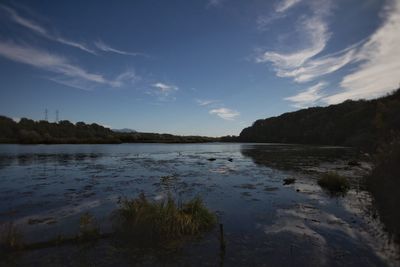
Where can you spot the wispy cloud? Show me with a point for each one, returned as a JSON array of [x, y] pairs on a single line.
[[205, 102], [280, 11], [315, 68], [284, 5], [225, 113], [215, 3], [379, 72], [106, 48], [69, 74], [316, 30], [312, 37], [40, 30], [165, 88], [164, 92], [378, 58], [308, 97]]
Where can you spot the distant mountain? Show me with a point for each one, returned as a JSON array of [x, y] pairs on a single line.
[[124, 130], [359, 123]]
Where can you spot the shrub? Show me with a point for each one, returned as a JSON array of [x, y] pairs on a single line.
[[384, 182], [334, 183]]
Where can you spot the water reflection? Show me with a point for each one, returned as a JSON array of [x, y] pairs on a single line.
[[296, 157], [45, 189]]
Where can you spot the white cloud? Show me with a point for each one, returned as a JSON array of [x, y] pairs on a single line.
[[69, 74], [225, 113], [214, 3], [205, 102], [317, 67], [379, 72], [316, 30], [308, 97], [106, 48], [163, 92], [165, 88], [279, 12], [378, 57], [127, 77], [35, 27], [285, 5]]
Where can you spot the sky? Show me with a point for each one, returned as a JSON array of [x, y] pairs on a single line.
[[199, 67]]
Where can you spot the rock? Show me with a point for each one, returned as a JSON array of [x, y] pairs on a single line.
[[353, 163], [288, 181], [230, 159]]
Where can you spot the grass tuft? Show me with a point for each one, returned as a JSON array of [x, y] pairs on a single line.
[[88, 227], [10, 237], [162, 222], [334, 183]]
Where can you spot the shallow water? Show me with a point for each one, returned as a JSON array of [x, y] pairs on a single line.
[[44, 189]]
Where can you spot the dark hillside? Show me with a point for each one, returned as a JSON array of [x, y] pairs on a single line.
[[362, 123]]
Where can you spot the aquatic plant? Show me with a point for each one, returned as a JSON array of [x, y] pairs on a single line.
[[88, 227], [10, 237], [164, 221], [334, 183]]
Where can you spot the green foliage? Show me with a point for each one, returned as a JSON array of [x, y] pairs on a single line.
[[334, 183], [162, 222], [360, 123]]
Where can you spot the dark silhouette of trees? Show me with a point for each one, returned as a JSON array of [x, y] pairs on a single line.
[[28, 131], [359, 123]]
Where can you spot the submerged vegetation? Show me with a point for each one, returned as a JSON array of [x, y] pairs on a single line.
[[162, 222], [334, 183], [138, 221]]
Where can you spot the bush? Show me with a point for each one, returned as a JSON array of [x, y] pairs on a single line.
[[334, 183], [384, 183], [162, 222]]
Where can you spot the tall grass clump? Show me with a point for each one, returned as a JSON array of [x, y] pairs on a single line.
[[10, 238], [334, 183], [165, 221], [88, 227]]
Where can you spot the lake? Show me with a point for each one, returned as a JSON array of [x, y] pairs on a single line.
[[44, 189]]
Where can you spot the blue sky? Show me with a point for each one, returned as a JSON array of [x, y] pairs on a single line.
[[205, 67]]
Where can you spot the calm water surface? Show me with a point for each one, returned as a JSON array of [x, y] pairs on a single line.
[[44, 189]]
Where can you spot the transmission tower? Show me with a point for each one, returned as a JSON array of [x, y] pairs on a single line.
[[46, 112], [57, 116]]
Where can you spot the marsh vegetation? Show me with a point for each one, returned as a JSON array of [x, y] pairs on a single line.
[[334, 183], [138, 203]]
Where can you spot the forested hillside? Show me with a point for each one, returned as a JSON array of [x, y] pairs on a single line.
[[362, 123]]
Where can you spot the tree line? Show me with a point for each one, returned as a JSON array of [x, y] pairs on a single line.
[[28, 131], [364, 123]]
